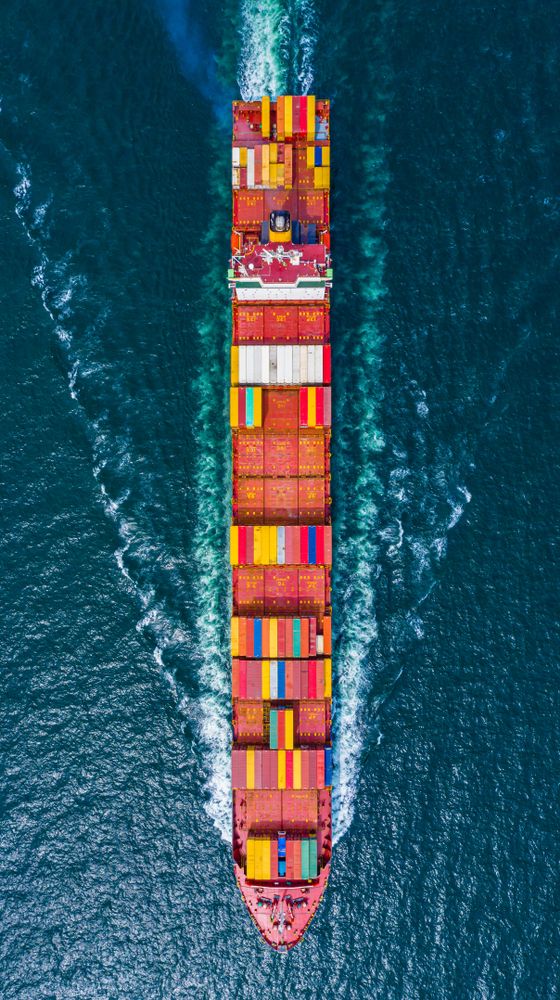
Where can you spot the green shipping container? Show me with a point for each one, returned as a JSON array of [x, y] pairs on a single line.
[[313, 858], [273, 729], [305, 859], [297, 636]]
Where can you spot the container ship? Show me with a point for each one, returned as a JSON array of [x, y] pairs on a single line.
[[280, 278]]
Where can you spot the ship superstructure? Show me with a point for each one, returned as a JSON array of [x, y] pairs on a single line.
[[281, 540]]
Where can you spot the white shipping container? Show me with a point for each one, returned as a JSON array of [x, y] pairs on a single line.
[[235, 156], [250, 168], [303, 364], [257, 364], [273, 364], [250, 365], [295, 364], [310, 365], [318, 364], [281, 545], [265, 363]]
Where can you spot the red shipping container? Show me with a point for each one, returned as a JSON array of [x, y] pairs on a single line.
[[273, 757], [289, 768], [327, 406], [281, 730], [312, 500], [303, 115], [243, 678], [248, 590], [312, 206], [281, 638], [320, 679], [238, 768], [302, 407], [235, 678], [254, 679], [248, 324], [280, 324], [289, 637], [320, 765], [320, 545], [312, 679], [319, 407], [312, 589], [250, 638], [296, 666], [327, 364], [281, 500], [289, 669], [280, 410], [242, 544], [311, 452], [258, 768], [292, 545], [303, 544], [241, 406], [312, 327], [280, 454], [248, 452], [250, 500], [312, 755], [304, 769], [281, 589], [305, 636], [248, 206], [328, 545], [249, 545], [312, 636], [304, 679]]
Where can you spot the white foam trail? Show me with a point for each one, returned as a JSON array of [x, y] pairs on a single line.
[[263, 64]]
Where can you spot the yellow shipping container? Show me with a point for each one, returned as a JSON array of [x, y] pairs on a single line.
[[250, 768], [281, 769], [280, 118], [234, 545], [326, 160], [297, 768], [289, 729], [233, 408], [328, 678], [265, 117], [311, 406], [265, 680], [326, 177], [257, 407], [288, 117], [243, 156], [235, 636], [235, 366], [273, 175], [273, 151], [310, 117], [273, 639], [317, 177], [272, 544], [250, 870], [311, 157]]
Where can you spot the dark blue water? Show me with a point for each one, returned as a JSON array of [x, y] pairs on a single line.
[[116, 879]]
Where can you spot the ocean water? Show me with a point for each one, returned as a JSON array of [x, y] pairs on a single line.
[[116, 879]]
